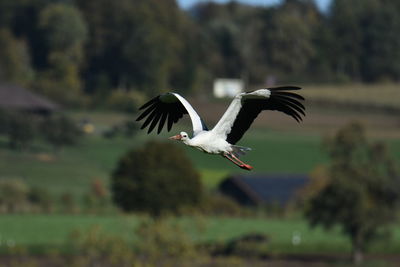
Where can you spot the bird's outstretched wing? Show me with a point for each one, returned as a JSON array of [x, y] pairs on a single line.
[[169, 107], [246, 106]]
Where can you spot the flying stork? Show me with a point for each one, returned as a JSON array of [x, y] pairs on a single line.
[[221, 140]]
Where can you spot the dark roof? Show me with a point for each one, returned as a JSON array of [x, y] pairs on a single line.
[[17, 98], [262, 189]]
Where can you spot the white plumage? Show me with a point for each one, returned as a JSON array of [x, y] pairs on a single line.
[[245, 107]]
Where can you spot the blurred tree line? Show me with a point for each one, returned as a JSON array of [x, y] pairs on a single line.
[[84, 52]]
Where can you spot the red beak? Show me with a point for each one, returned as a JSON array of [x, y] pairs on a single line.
[[176, 137]]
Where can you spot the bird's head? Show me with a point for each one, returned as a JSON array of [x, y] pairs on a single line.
[[183, 136]]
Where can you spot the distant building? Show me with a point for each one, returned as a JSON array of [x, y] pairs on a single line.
[[254, 190], [16, 98], [228, 87]]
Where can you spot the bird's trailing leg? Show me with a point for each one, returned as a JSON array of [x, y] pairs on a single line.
[[237, 161], [243, 165]]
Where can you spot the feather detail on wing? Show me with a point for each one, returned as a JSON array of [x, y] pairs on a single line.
[[168, 108]]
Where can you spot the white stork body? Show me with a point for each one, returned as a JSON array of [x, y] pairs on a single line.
[[208, 142], [245, 107]]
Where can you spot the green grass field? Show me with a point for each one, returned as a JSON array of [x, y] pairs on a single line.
[[53, 230], [95, 157], [73, 169], [49, 231]]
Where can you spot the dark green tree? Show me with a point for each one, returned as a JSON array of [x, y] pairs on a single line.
[[230, 46], [361, 195], [134, 44], [365, 34], [288, 38], [64, 33], [15, 62], [157, 178], [347, 49], [381, 59]]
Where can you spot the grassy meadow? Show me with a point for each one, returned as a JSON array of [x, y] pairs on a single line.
[[73, 168], [383, 96], [44, 232]]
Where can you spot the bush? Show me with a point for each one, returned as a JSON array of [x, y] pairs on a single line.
[[97, 199], [3, 122], [248, 245], [157, 243], [68, 203], [41, 199], [126, 129], [21, 130], [162, 240], [217, 204], [125, 101], [94, 247], [60, 131], [155, 179], [13, 196]]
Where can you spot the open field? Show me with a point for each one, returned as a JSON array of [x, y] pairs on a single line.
[[54, 230], [384, 97], [73, 169], [47, 231]]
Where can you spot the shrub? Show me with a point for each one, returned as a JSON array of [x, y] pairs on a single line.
[[97, 199], [157, 243], [21, 130], [60, 131], [41, 199], [162, 240], [126, 129], [94, 247], [13, 196], [68, 203], [156, 178], [217, 204], [248, 245], [125, 101], [3, 122]]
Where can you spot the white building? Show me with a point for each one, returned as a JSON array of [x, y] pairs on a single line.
[[228, 87]]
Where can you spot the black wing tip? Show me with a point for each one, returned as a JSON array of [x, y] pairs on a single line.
[[160, 111], [286, 87], [288, 94], [290, 103], [151, 101]]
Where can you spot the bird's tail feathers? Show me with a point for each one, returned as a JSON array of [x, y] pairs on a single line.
[[239, 151]]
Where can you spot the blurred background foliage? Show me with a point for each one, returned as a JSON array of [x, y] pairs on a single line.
[[71, 49]]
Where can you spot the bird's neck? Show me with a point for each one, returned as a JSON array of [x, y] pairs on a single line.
[[188, 142]]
